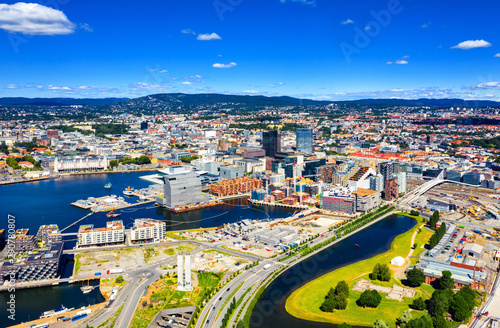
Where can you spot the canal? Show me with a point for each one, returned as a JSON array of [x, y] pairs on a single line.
[[270, 310]]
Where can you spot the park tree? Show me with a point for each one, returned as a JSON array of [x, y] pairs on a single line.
[[459, 309], [380, 324], [340, 301], [342, 288], [4, 148], [381, 272], [434, 219], [328, 305], [119, 279], [469, 296], [423, 322], [369, 298], [446, 281], [439, 322], [415, 277], [439, 303], [405, 318], [418, 304], [344, 325]]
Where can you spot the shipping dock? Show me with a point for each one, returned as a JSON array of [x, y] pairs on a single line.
[[192, 207]]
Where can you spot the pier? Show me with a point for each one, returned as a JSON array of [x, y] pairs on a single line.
[[78, 221]]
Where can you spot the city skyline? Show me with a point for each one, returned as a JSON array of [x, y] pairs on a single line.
[[302, 48]]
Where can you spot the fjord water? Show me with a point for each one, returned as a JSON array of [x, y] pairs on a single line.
[[270, 310], [49, 201]]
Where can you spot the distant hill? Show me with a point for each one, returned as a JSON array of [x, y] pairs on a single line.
[[204, 99], [193, 100], [21, 101], [424, 102]]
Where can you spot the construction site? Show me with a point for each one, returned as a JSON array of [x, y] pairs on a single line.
[[235, 186]]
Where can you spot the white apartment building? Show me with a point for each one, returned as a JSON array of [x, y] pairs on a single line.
[[147, 231], [70, 164], [112, 234]]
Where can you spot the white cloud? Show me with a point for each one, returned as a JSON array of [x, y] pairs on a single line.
[[304, 2], [497, 55], [230, 65], [250, 91], [86, 27], [389, 62], [188, 31], [163, 71], [196, 77], [145, 87], [276, 84], [406, 57], [426, 25], [401, 62], [152, 70], [34, 19], [208, 37], [485, 86], [348, 21], [368, 27], [188, 83], [471, 44]]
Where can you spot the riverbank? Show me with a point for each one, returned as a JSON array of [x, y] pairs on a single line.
[[304, 303]]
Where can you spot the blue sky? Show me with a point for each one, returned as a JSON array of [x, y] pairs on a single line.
[[320, 49]]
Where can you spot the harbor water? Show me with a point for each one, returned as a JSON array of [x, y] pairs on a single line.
[[270, 310]]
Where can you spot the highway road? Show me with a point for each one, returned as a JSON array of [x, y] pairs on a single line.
[[248, 277]]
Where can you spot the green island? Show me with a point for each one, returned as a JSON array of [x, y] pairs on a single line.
[[306, 301]]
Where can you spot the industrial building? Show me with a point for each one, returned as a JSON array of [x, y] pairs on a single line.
[[181, 187], [112, 234], [441, 206], [274, 237], [462, 274], [473, 250], [147, 231], [450, 230]]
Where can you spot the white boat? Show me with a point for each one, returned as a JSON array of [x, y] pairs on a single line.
[[51, 313]]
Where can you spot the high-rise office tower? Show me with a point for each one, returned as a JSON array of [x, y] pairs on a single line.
[[304, 140], [271, 142]]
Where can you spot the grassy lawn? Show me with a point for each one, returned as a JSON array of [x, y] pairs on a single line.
[[304, 303]]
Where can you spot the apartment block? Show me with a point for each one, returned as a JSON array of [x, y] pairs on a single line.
[[112, 234], [147, 231]]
